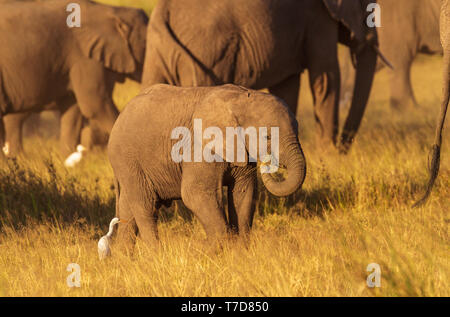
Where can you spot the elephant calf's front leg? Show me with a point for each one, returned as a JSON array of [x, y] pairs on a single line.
[[241, 207], [201, 191]]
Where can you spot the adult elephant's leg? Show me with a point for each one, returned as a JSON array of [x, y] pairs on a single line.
[[288, 90], [324, 79], [86, 138], [201, 191], [13, 132], [402, 95], [347, 77], [241, 204], [32, 124], [90, 137], [70, 128]]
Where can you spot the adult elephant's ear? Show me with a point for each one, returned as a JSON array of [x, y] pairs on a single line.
[[105, 38], [354, 29], [351, 15]]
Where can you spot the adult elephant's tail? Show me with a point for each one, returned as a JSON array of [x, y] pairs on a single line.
[[436, 151]]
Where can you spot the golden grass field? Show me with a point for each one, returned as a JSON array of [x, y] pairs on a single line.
[[353, 210]]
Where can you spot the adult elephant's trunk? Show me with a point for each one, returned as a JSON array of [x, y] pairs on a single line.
[[436, 154], [366, 61], [291, 156]]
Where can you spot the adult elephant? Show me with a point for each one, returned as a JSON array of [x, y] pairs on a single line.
[[408, 27], [57, 65], [74, 128], [266, 44], [436, 155]]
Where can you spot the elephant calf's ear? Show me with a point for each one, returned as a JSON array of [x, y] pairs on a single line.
[[216, 112], [107, 41], [233, 147]]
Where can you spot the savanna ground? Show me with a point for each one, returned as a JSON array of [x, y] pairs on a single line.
[[352, 210]]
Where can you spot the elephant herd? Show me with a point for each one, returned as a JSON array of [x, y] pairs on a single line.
[[47, 65], [230, 44], [408, 27]]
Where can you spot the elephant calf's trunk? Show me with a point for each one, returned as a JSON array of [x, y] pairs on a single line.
[[295, 163]]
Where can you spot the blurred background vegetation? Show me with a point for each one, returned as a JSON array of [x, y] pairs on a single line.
[[147, 5]]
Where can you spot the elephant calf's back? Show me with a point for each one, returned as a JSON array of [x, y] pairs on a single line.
[[140, 141]]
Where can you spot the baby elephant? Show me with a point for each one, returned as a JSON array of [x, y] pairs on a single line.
[[172, 142]]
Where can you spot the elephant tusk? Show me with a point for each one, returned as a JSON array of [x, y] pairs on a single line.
[[382, 57]]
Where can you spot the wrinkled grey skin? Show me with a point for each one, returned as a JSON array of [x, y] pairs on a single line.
[[74, 130], [408, 27], [436, 155], [140, 148], [266, 44], [45, 64]]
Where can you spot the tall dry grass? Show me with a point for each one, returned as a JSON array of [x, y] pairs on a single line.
[[353, 210]]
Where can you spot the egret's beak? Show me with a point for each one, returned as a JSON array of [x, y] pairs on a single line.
[[123, 221]]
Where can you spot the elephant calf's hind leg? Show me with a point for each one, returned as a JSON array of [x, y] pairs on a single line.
[[144, 209], [128, 230]]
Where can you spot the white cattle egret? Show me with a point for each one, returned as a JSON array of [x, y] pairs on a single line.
[[5, 148], [75, 157], [103, 244]]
